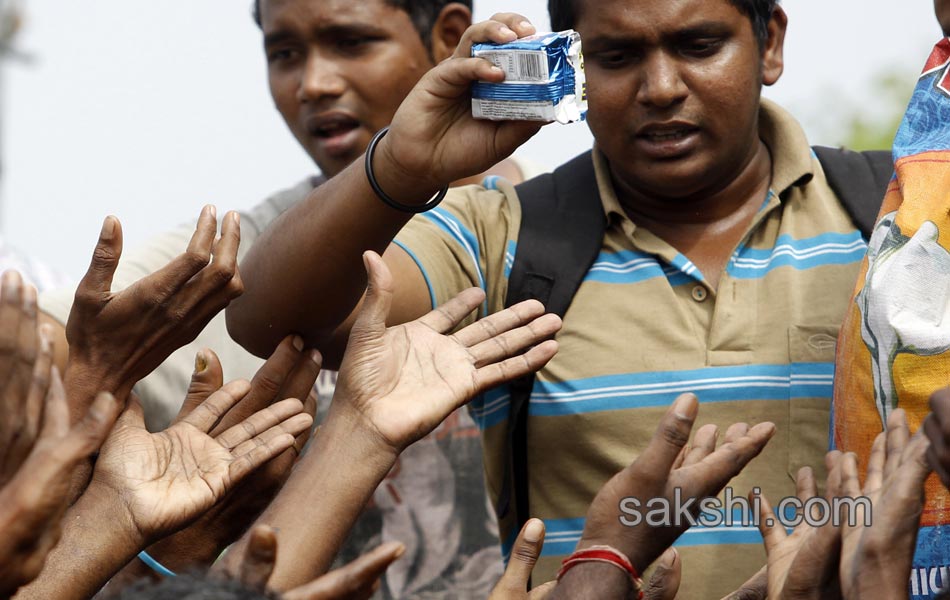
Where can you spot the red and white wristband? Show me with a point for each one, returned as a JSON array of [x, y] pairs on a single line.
[[604, 554]]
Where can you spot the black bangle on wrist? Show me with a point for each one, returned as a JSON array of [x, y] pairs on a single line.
[[370, 151]]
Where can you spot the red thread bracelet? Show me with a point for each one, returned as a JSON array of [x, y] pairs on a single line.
[[604, 554]]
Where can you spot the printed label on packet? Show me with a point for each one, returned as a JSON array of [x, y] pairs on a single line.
[[544, 80]]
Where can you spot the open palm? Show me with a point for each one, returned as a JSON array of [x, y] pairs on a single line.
[[405, 380], [168, 479]]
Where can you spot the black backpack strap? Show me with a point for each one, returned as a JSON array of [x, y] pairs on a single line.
[[562, 231], [860, 180]]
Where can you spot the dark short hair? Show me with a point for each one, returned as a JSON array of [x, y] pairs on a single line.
[[564, 15], [423, 14], [191, 585]]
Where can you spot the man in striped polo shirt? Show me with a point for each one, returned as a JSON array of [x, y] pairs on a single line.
[[725, 269]]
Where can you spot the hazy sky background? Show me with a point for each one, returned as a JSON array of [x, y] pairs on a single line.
[[148, 110]]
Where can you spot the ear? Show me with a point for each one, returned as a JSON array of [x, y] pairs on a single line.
[[773, 52], [448, 28]]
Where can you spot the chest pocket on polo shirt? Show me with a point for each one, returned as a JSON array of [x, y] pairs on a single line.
[[811, 355]]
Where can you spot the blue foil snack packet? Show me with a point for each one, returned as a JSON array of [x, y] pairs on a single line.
[[544, 80]]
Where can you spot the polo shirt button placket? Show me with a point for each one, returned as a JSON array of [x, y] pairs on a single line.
[[700, 293]]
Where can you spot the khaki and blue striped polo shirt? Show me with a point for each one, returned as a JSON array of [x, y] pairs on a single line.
[[645, 327]]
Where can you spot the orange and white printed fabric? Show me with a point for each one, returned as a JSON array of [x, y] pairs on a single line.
[[894, 347]]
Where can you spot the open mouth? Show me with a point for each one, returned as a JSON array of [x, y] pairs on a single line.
[[667, 140], [332, 126]]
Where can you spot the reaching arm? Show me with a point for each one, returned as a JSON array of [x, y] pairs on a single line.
[[396, 385], [311, 255]]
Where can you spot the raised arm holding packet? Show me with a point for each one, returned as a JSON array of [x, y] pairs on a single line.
[[432, 141]]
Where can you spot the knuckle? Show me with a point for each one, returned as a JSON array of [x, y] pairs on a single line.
[[195, 259], [103, 256], [676, 433]]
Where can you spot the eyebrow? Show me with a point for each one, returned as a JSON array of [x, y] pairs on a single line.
[[332, 31], [699, 30]]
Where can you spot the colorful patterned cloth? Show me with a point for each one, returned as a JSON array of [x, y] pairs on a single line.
[[895, 342]]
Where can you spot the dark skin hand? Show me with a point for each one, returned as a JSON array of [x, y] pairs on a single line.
[[937, 429], [289, 373], [116, 339], [33, 502], [803, 565], [699, 471], [148, 485], [358, 580], [396, 385], [25, 359], [877, 556], [525, 552]]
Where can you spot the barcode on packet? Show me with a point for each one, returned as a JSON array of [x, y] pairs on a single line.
[[520, 65]]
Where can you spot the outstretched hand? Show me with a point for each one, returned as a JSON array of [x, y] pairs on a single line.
[[163, 481], [402, 381], [660, 471], [357, 580], [290, 372], [877, 554], [25, 359], [803, 565], [33, 502], [434, 139], [117, 338]]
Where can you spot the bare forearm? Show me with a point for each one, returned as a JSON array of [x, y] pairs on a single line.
[[94, 546], [304, 274], [320, 502]]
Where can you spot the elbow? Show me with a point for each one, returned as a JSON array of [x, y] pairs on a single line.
[[249, 330]]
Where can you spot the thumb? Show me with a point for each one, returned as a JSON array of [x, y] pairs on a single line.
[[105, 259], [207, 378], [665, 581], [379, 295], [259, 558], [524, 555]]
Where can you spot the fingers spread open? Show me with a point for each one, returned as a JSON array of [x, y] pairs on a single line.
[[502, 321], [355, 580], [259, 558], [524, 555], [495, 374], [207, 414], [507, 344], [446, 316], [260, 422], [714, 472]]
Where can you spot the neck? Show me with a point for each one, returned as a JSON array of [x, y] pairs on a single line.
[[724, 200]]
